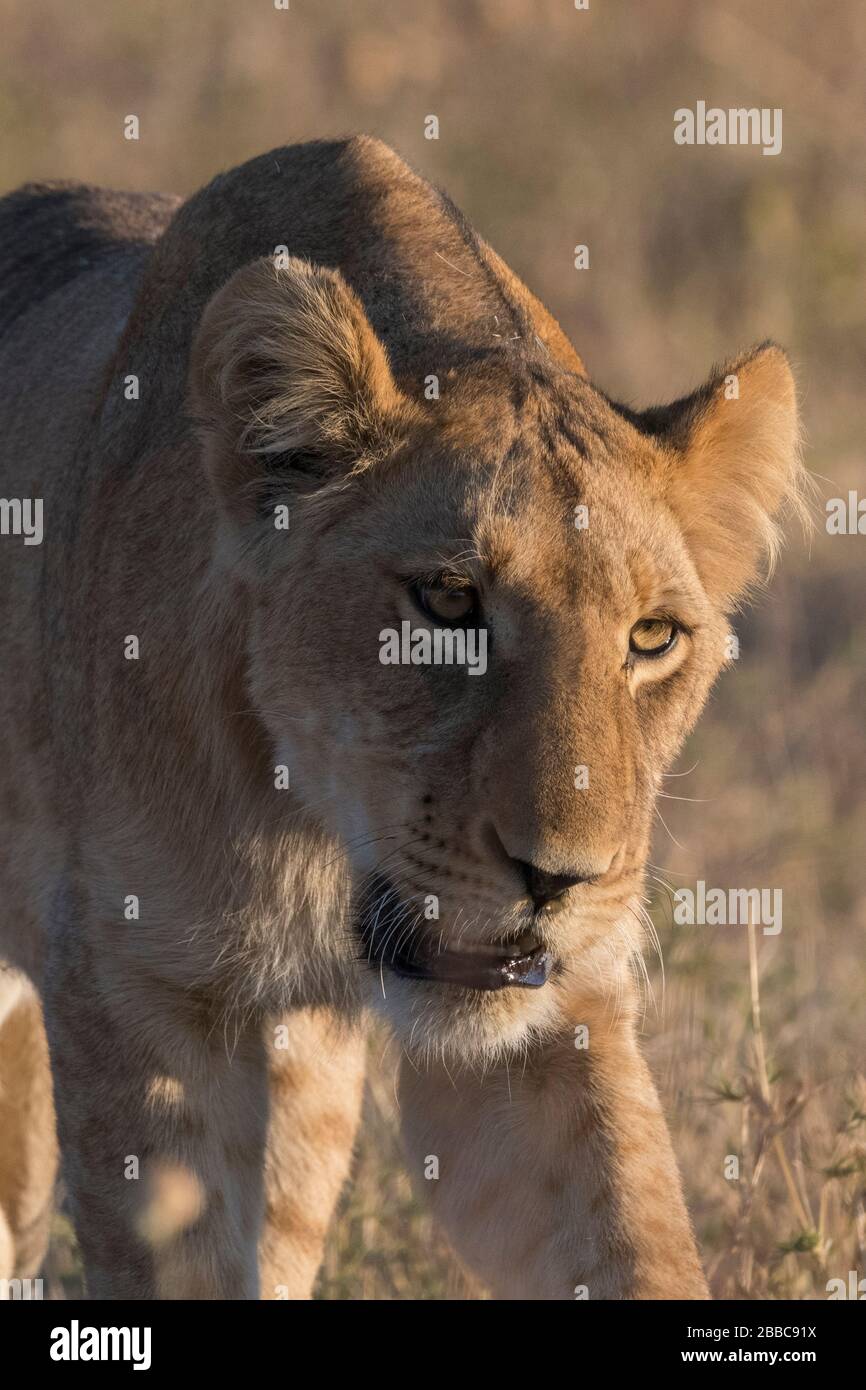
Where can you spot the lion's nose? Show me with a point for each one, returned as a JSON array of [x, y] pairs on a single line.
[[544, 887]]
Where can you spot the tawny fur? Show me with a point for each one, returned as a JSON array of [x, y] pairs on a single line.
[[207, 1053]]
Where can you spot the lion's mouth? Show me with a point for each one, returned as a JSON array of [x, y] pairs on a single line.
[[523, 962], [479, 965]]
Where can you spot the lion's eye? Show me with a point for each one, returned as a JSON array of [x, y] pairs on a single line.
[[445, 603], [653, 636]]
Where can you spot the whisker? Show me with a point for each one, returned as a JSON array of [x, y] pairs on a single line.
[[664, 823], [701, 800]]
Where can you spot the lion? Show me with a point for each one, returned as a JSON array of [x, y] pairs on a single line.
[[268, 426]]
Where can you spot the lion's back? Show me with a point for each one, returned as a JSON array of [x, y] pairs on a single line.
[[51, 233], [71, 260], [70, 263]]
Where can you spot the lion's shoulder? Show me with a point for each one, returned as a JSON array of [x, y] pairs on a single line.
[[52, 232]]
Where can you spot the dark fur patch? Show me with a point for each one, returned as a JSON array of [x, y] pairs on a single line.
[[51, 233]]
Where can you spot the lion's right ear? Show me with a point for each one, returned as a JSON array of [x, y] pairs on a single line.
[[287, 377]]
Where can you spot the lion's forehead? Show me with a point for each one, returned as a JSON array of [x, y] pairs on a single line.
[[570, 532]]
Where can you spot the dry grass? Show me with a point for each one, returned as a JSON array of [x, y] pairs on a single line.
[[556, 129]]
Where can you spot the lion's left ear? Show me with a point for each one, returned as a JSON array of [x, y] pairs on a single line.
[[287, 375], [733, 467]]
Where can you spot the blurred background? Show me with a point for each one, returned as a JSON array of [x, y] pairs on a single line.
[[556, 129]]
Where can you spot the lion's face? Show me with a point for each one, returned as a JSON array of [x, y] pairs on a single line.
[[496, 807]]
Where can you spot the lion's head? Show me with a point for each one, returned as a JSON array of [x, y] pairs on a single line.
[[497, 807]]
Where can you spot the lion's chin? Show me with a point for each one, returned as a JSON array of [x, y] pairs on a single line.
[[466, 1025]]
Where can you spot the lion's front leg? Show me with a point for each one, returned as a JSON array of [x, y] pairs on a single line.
[[316, 1073], [162, 1119], [556, 1176]]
